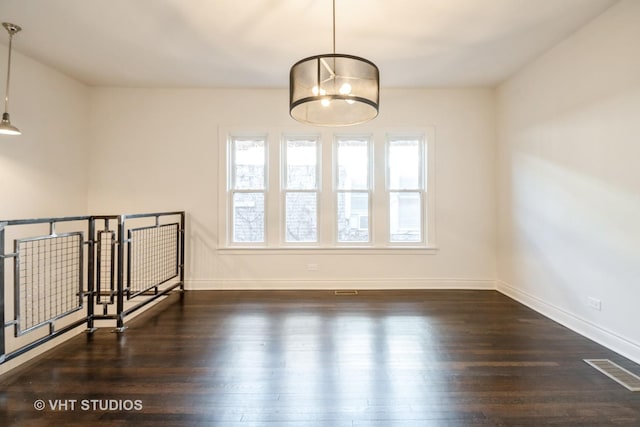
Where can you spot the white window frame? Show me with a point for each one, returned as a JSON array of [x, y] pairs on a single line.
[[284, 190], [379, 233], [231, 190], [369, 139], [421, 189]]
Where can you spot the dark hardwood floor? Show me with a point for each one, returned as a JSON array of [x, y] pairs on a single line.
[[310, 358]]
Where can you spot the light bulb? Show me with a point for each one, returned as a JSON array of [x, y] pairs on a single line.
[[317, 91], [325, 102], [345, 89], [350, 101]]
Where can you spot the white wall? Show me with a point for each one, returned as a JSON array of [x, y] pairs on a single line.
[[43, 172], [157, 149], [569, 181]]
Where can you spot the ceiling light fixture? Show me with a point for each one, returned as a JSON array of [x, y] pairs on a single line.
[[6, 128], [334, 89]]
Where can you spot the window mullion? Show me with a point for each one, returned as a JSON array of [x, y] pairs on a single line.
[[327, 199], [273, 190], [378, 195]]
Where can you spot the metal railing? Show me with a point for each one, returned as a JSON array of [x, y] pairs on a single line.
[[66, 268]]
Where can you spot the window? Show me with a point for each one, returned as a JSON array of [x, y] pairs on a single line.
[[300, 189], [325, 191], [353, 186], [405, 187], [247, 187]]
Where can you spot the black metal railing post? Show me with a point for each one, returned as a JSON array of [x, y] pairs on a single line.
[[91, 275], [2, 319], [182, 237], [120, 277]]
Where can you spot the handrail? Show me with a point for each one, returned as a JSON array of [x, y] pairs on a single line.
[[43, 220], [146, 215]]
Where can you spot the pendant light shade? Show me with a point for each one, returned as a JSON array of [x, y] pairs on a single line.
[[334, 89], [6, 128]]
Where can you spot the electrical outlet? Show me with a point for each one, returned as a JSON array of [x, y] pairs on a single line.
[[595, 303], [312, 267]]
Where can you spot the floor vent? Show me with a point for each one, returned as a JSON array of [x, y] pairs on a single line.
[[343, 293], [616, 372]]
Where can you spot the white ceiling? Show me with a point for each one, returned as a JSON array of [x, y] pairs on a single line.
[[253, 43]]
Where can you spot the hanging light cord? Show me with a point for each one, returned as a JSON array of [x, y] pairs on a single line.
[[6, 93], [334, 27]]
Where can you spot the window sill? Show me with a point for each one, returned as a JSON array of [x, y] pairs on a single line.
[[354, 250]]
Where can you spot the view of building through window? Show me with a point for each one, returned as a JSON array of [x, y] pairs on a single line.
[[353, 184], [405, 184], [301, 190], [248, 185]]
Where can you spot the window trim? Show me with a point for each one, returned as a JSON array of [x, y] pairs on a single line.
[[422, 189], [326, 227], [369, 138], [335, 250], [231, 191], [285, 137]]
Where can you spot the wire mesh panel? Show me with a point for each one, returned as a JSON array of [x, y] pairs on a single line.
[[105, 260], [48, 279], [53, 274], [152, 257]]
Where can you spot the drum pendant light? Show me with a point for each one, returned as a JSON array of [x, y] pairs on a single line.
[[334, 89]]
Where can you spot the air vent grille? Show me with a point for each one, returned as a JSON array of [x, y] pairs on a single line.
[[345, 293], [616, 372]]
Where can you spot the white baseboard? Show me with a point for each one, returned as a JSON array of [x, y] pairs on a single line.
[[338, 284], [602, 336]]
